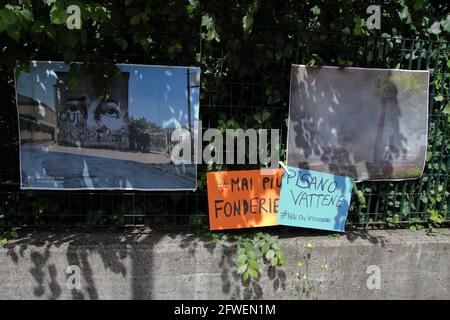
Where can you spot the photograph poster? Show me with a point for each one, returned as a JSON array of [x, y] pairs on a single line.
[[74, 138], [367, 124]]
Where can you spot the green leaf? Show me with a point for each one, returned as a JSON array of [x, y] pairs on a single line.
[[247, 23], [74, 76], [122, 43], [263, 116], [253, 273], [445, 23], [243, 268], [134, 20], [3, 25], [207, 21], [58, 15], [245, 275], [252, 254], [395, 218], [8, 17], [446, 110], [13, 33], [253, 264], [276, 246], [37, 27], [281, 257], [27, 15], [315, 10], [418, 4], [406, 209], [404, 14], [274, 261], [435, 28], [270, 254], [193, 5], [435, 216], [248, 246], [241, 259], [212, 35]]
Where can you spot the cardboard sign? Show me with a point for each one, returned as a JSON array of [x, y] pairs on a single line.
[[314, 200], [243, 199]]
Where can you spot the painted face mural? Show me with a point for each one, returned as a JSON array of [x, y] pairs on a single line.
[[85, 119], [97, 114]]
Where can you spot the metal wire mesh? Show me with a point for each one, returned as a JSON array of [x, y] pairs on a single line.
[[245, 78]]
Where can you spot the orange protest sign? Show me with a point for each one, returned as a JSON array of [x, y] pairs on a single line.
[[243, 199]]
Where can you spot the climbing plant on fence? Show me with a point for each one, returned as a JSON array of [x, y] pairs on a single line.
[[245, 49]]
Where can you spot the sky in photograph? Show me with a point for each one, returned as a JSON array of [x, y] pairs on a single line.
[[157, 93]]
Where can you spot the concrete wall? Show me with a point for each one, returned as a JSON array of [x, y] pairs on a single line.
[[143, 264]]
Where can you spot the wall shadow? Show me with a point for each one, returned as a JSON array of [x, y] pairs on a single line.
[[112, 248], [233, 285]]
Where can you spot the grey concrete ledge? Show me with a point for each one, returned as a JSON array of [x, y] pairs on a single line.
[[144, 264]]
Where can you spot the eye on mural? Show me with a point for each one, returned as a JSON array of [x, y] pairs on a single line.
[[73, 138]]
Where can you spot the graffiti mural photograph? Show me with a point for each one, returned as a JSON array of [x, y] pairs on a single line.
[[72, 137], [368, 124]]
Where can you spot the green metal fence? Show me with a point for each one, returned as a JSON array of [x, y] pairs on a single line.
[[243, 82]]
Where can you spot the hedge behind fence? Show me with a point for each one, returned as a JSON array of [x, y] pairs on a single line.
[[245, 49]]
